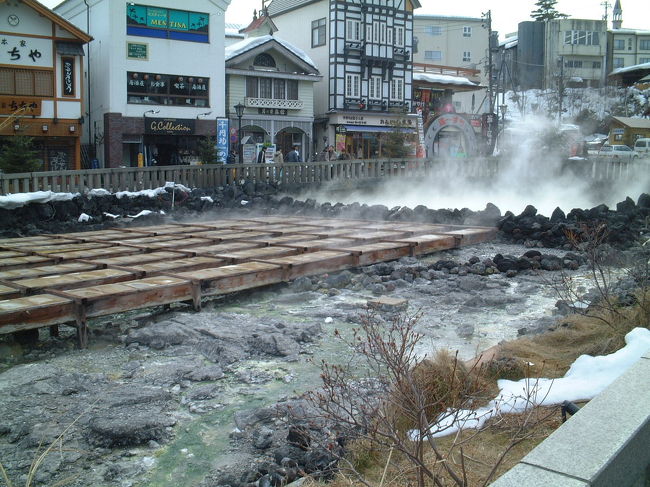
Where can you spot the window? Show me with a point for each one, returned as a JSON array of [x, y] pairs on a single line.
[[433, 30], [643, 60], [629, 44], [571, 63], [26, 82], [389, 36], [251, 87], [265, 88], [467, 56], [374, 88], [399, 36], [264, 60], [318, 33], [433, 55], [383, 33], [167, 89], [164, 23], [619, 62], [292, 89], [467, 31], [375, 32], [644, 45], [596, 65], [352, 82], [397, 89], [279, 89], [619, 44], [369, 33], [353, 30], [582, 37]]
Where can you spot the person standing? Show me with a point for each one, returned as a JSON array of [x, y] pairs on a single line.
[[294, 155]]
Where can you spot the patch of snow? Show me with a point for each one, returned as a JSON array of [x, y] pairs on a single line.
[[207, 198], [244, 202], [142, 213], [329, 319], [587, 377], [84, 218], [443, 78], [18, 200], [110, 215], [246, 45]]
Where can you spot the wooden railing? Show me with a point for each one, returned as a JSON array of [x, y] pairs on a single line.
[[289, 175]]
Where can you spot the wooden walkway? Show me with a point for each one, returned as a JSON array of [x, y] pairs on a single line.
[[48, 280]]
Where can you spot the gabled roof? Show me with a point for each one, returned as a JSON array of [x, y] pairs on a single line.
[[258, 23], [633, 122], [278, 7], [238, 51], [58, 20]]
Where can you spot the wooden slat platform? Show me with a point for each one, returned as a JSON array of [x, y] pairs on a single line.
[[237, 277], [35, 285], [312, 263], [35, 312], [82, 275], [48, 270], [113, 298], [185, 264]]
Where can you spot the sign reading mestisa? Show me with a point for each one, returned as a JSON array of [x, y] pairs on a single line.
[[169, 126]]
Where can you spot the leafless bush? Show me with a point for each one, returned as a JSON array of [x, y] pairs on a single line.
[[390, 399]]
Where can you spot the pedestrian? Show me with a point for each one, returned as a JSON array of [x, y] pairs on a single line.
[[261, 156], [232, 157], [294, 155], [278, 158]]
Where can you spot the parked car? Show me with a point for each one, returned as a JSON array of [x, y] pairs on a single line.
[[642, 147], [618, 152]]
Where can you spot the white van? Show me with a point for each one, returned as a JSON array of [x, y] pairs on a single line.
[[642, 147]]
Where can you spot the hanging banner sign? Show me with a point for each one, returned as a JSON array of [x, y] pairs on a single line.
[[222, 140], [169, 126], [67, 72]]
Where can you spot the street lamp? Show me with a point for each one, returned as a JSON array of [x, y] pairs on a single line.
[[239, 110]]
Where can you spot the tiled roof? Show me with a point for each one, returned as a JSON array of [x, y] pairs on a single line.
[[278, 7]]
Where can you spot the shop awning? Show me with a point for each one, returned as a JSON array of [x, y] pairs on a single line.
[[69, 48], [375, 128]]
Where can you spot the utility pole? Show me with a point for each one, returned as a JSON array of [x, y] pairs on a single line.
[[560, 91], [488, 23], [606, 4]]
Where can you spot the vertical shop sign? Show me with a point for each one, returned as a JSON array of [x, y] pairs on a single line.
[[67, 72], [222, 140]]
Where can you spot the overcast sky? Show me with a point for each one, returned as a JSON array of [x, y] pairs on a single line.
[[506, 14]]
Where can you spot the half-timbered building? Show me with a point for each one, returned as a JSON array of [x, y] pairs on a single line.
[[365, 51]]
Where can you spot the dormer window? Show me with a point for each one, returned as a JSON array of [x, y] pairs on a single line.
[[264, 60]]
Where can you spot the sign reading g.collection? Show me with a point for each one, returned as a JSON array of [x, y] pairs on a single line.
[[169, 126]]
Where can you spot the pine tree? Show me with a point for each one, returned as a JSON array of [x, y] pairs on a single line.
[[546, 11], [17, 154]]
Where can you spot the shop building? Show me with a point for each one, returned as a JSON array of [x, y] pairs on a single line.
[[366, 91], [626, 130], [41, 83], [156, 76], [274, 82]]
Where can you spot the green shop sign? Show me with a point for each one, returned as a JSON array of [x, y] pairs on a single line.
[[163, 18], [137, 50]]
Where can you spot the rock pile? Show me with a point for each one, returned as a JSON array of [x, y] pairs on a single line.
[[623, 226]]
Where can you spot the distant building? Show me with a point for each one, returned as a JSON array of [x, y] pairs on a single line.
[[274, 81], [626, 47], [455, 42], [156, 72], [41, 81], [366, 50]]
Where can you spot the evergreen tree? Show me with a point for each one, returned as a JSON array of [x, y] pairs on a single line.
[[17, 154], [395, 143], [546, 11], [207, 150]]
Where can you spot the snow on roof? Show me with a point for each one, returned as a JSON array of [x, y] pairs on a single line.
[[246, 45], [443, 78], [630, 68], [640, 32], [232, 30]]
